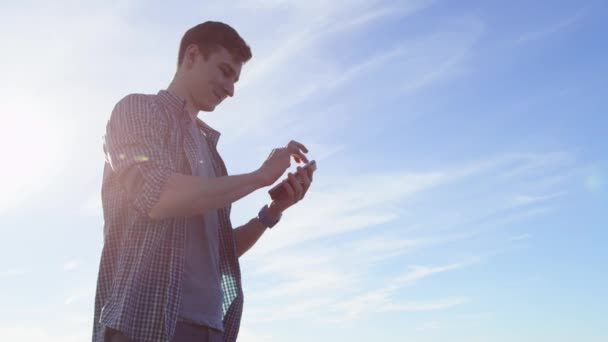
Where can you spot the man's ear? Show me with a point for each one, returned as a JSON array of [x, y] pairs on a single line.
[[191, 55]]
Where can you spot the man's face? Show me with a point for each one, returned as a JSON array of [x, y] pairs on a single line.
[[211, 80]]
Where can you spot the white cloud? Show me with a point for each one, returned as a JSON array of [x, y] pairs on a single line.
[[294, 54], [305, 280], [72, 265], [31, 332], [432, 325], [437, 304], [520, 237], [314, 278], [522, 200], [287, 269], [92, 206], [324, 151], [13, 272], [383, 247], [428, 62], [527, 281], [418, 273], [79, 294], [365, 196], [507, 219], [247, 334], [308, 282], [306, 271], [321, 286], [557, 26], [362, 202], [382, 299]]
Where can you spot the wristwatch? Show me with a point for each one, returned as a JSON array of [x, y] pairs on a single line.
[[265, 219]]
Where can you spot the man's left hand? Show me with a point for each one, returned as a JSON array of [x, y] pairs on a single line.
[[296, 190]]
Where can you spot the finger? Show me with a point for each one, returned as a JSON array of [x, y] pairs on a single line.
[[306, 171], [305, 181], [298, 158], [291, 194], [304, 174], [296, 186], [295, 149], [309, 173], [287, 153], [297, 155], [298, 145]]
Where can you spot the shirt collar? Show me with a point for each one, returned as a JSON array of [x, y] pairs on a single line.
[[177, 106], [209, 132], [173, 102]]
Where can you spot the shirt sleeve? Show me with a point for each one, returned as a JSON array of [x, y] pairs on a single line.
[[135, 149]]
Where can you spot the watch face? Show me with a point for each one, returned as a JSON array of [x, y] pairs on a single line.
[[267, 220]]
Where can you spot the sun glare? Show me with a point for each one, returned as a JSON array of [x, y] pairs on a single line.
[[33, 148]]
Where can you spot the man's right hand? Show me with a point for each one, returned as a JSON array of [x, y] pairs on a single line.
[[279, 160]]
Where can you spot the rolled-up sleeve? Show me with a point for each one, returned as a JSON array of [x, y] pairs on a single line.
[[135, 149]]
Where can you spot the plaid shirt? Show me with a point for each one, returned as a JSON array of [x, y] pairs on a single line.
[[140, 272]]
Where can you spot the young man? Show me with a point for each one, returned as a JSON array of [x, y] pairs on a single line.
[[169, 267]]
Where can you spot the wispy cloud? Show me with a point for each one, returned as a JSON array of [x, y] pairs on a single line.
[[525, 281], [557, 26], [13, 272], [432, 325], [365, 195], [79, 294], [428, 62], [383, 299], [313, 291], [368, 16], [418, 273], [317, 75], [249, 335], [363, 202], [72, 265], [308, 280], [520, 237], [92, 205], [30, 332], [313, 277], [522, 200], [437, 304]]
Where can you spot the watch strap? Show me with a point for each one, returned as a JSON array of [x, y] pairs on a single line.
[[265, 219]]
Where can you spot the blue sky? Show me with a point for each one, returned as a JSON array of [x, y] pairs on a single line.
[[462, 163]]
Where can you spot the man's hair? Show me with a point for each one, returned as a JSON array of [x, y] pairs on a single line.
[[211, 35]]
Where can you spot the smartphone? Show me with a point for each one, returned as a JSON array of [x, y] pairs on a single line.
[[278, 191]]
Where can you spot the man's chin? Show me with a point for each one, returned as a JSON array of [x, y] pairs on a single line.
[[208, 108]]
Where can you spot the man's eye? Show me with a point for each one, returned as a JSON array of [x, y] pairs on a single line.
[[225, 72]]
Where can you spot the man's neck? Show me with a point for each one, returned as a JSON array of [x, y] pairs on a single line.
[[176, 89]]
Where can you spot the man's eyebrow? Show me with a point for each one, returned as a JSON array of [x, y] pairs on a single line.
[[231, 70]]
